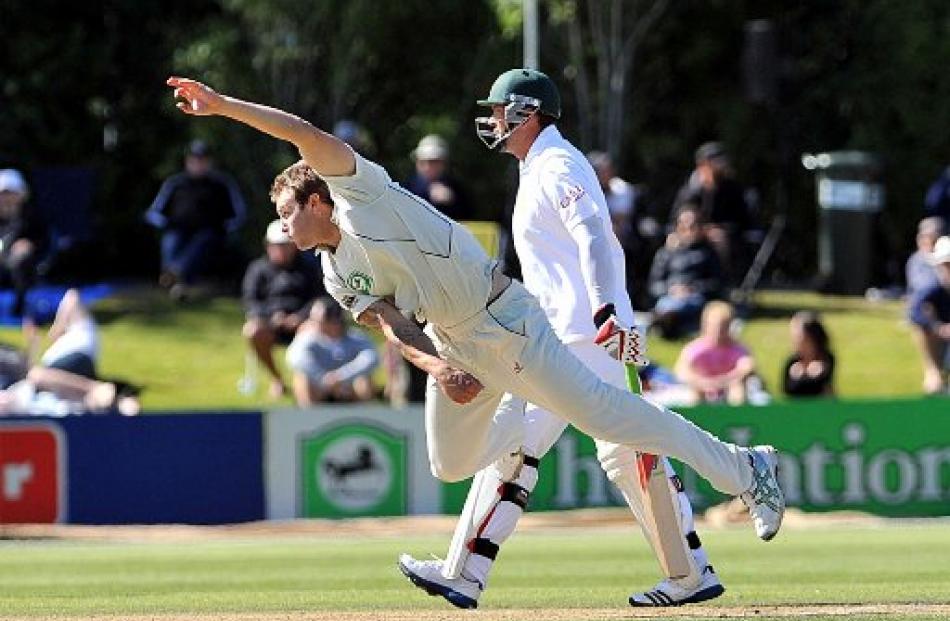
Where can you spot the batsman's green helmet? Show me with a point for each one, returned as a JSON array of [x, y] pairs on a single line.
[[527, 83]]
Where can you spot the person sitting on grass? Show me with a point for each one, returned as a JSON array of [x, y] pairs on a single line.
[[330, 361], [920, 272], [66, 380], [930, 321], [716, 366], [809, 371], [278, 290]]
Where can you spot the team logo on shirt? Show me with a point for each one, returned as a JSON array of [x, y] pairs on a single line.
[[360, 282], [572, 196]]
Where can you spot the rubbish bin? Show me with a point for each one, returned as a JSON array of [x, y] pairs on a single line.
[[850, 196]]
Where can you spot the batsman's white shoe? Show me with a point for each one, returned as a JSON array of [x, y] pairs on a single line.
[[671, 593], [765, 499], [427, 575]]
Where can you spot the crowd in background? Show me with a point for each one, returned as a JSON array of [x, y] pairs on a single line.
[[682, 264]]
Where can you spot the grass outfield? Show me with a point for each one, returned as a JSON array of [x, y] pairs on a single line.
[[191, 356], [899, 571]]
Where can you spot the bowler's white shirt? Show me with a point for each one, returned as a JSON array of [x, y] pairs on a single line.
[[395, 245], [557, 191]]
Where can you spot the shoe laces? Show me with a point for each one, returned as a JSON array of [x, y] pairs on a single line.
[[435, 562], [438, 563], [764, 487]]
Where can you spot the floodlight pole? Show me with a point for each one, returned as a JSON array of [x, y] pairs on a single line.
[[529, 18]]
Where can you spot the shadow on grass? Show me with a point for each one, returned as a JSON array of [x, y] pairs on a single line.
[[773, 308], [152, 306]]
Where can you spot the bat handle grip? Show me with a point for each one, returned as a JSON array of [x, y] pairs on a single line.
[[633, 379]]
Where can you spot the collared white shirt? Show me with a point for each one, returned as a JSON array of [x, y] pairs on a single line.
[[557, 191], [395, 245]]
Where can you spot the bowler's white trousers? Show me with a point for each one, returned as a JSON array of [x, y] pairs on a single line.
[[511, 348]]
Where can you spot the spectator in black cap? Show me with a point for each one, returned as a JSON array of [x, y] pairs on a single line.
[[724, 204], [196, 210]]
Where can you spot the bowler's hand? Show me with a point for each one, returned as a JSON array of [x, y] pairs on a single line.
[[199, 100], [459, 386]]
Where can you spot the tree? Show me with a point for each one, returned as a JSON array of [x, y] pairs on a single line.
[[607, 37]]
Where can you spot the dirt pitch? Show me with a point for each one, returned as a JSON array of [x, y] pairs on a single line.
[[726, 515]]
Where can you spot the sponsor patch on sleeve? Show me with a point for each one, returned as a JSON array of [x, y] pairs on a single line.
[[573, 194]]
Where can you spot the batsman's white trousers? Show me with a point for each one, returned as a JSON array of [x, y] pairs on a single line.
[[511, 348]]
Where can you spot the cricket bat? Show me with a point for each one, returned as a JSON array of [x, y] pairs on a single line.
[[661, 508]]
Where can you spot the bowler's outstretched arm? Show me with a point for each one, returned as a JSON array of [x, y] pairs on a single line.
[[324, 152]]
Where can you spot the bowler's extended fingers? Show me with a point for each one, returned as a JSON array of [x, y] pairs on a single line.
[[180, 81]]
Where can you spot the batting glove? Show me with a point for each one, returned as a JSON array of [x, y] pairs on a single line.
[[625, 344]]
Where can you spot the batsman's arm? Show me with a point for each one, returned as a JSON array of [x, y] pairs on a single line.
[[324, 152], [596, 263], [418, 349]]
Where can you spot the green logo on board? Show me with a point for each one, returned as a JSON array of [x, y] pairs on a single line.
[[353, 470]]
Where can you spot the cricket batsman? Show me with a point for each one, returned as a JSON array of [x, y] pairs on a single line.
[[573, 263], [488, 346]]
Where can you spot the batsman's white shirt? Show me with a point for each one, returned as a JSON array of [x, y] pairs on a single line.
[[558, 190], [396, 246]]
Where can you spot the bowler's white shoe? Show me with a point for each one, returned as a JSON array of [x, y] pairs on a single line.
[[427, 575], [765, 499], [671, 592]]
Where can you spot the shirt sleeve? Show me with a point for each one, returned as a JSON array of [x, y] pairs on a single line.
[[935, 196], [563, 187], [657, 280], [740, 351], [691, 351], [596, 264], [363, 362], [350, 299], [252, 290], [921, 310], [156, 212], [364, 186]]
